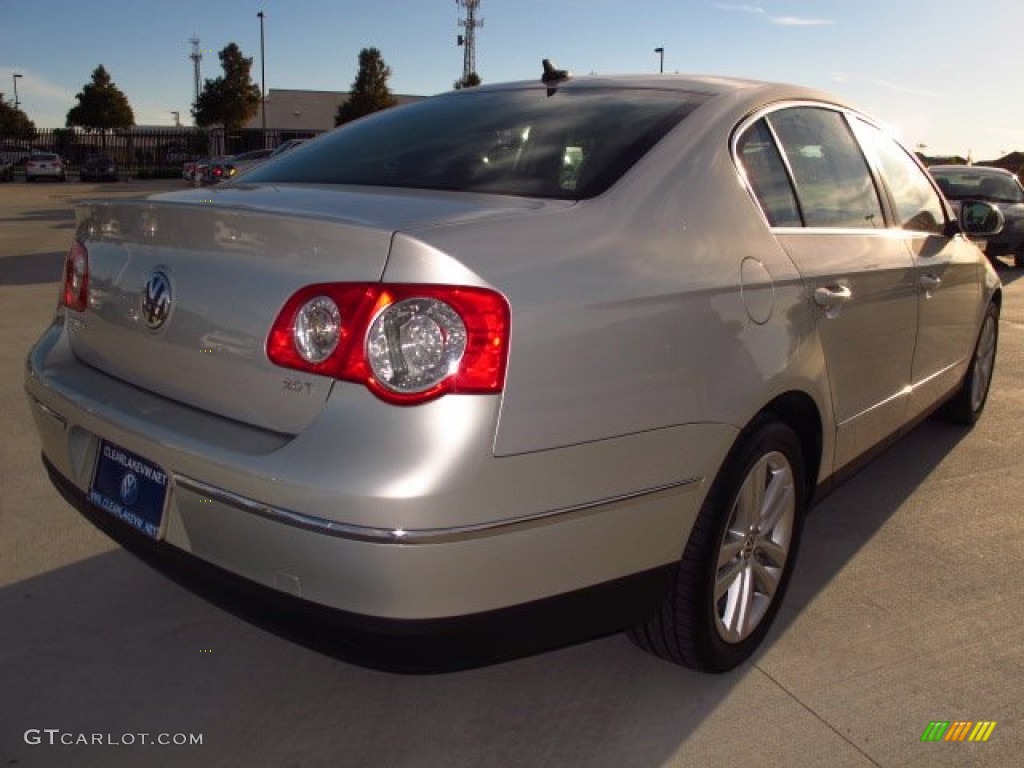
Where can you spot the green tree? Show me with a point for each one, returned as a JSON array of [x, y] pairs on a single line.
[[101, 105], [233, 99], [14, 124], [472, 80], [370, 92]]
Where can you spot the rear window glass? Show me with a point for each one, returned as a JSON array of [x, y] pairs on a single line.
[[568, 144], [968, 184], [833, 181]]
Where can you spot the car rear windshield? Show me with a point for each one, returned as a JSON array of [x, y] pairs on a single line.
[[533, 142], [971, 185]]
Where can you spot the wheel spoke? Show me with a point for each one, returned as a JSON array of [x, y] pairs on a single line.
[[730, 550], [736, 614], [778, 499], [727, 577], [771, 553], [748, 501], [766, 580]]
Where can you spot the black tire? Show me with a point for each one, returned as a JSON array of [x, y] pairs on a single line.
[[695, 629], [966, 405]]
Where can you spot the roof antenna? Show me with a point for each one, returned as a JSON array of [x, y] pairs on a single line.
[[552, 76]]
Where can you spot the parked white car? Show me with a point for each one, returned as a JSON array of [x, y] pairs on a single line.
[[45, 165]]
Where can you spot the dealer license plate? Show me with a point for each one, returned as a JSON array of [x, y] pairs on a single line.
[[130, 488]]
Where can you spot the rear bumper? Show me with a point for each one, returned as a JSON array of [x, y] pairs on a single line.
[[397, 645]]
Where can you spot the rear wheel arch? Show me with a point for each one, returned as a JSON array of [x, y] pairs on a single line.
[[800, 413], [739, 555]]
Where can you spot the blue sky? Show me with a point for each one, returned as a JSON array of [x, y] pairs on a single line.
[[945, 75]]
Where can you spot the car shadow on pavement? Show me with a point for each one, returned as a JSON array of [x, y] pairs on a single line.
[[31, 269], [839, 526], [1009, 274], [108, 646]]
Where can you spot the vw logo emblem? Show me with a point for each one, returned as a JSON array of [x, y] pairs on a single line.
[[156, 300], [129, 489]]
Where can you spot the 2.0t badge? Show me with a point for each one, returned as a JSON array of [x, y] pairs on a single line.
[[156, 300]]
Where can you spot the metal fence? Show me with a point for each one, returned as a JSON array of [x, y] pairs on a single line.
[[141, 149]]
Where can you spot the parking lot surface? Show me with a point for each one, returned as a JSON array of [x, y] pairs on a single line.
[[904, 611]]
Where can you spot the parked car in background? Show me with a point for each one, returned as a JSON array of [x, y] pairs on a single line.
[[538, 360], [98, 168], [191, 168], [238, 164], [45, 165], [6, 170], [287, 146], [217, 169], [14, 154], [994, 185]]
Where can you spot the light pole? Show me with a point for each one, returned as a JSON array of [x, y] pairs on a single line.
[[15, 77], [661, 62], [263, 81], [177, 119]]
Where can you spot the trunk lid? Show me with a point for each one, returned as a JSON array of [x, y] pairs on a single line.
[[225, 261]]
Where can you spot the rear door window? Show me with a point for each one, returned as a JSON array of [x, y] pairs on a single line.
[[834, 185]]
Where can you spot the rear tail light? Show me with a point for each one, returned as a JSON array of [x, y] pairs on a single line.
[[76, 278], [406, 343]]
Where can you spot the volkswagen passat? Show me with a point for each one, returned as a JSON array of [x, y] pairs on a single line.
[[571, 355]]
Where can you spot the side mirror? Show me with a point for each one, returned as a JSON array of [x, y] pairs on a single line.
[[980, 219]]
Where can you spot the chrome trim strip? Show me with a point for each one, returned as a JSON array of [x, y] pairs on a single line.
[[48, 410], [417, 536], [906, 393]]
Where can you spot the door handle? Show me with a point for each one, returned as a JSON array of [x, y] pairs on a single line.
[[929, 283], [832, 298]]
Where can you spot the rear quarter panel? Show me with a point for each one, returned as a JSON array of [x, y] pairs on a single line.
[[628, 312]]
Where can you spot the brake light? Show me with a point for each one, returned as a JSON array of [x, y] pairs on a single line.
[[76, 278], [407, 343]]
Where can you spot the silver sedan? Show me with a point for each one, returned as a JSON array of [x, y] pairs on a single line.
[[537, 361]]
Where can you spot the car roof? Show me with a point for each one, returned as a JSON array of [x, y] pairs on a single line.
[[983, 170], [744, 95], [708, 84]]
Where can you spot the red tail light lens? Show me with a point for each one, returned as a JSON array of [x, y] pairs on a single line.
[[406, 343], [76, 278]]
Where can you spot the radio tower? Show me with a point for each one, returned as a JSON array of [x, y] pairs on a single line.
[[468, 40], [196, 56]]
